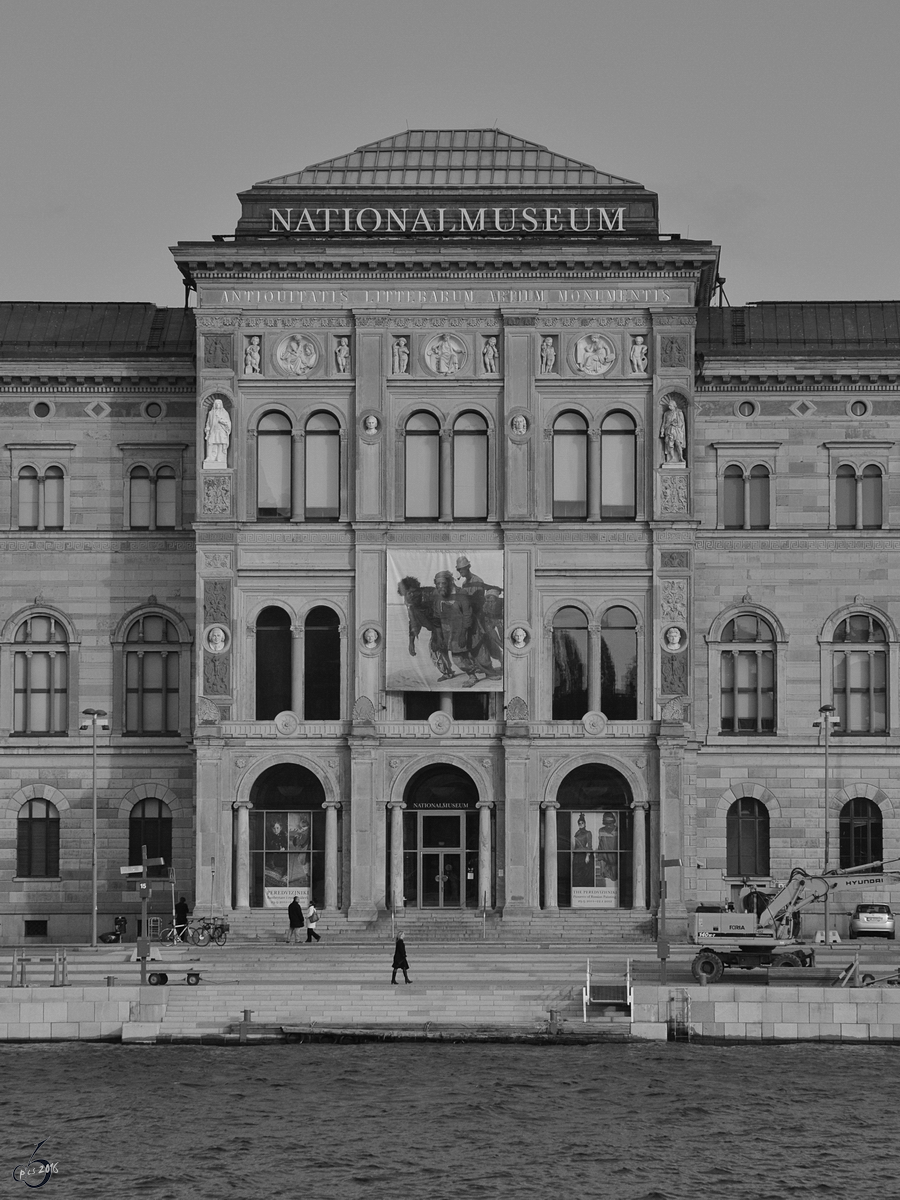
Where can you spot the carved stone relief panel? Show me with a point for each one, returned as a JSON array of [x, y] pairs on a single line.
[[297, 355], [673, 350], [446, 354], [548, 354], [217, 496], [673, 674], [593, 354], [252, 355], [217, 351], [675, 560], [216, 601], [673, 600], [674, 494], [215, 674]]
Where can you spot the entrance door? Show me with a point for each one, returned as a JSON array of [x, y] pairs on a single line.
[[442, 844]]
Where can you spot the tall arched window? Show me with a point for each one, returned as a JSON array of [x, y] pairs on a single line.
[[151, 498], [858, 497], [733, 497], [870, 497], [746, 497], [860, 833], [322, 665], [54, 498], [470, 467], [617, 468], [273, 468], [323, 468], [748, 676], [152, 667], [166, 495], [423, 467], [570, 665], [860, 675], [570, 458], [747, 838], [273, 663], [618, 664], [41, 678], [150, 825], [28, 498], [37, 841], [845, 497], [758, 497], [139, 498]]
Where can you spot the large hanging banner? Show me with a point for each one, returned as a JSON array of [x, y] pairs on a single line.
[[595, 860], [445, 621]]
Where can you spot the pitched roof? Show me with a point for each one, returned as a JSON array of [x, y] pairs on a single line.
[[103, 330], [447, 157], [829, 327]]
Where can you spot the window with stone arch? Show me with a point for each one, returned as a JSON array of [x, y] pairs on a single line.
[[422, 447], [860, 833], [470, 467], [618, 459], [41, 677], [746, 497], [150, 825], [571, 663], [858, 497], [859, 672], [274, 659], [619, 664], [41, 498], [153, 686], [747, 838], [570, 467], [747, 676], [37, 841], [274, 456], [323, 468], [152, 498], [321, 665]]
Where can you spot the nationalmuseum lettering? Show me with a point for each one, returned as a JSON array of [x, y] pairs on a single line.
[[530, 219]]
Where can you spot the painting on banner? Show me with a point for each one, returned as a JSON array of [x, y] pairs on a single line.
[[445, 620], [595, 860]]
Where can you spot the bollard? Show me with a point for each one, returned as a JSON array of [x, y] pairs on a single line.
[[704, 979], [248, 1013], [110, 981], [554, 1020]]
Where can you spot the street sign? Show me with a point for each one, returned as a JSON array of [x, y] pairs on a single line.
[[155, 862], [139, 870]]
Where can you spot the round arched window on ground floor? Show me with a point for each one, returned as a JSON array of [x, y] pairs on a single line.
[[287, 838], [595, 834]]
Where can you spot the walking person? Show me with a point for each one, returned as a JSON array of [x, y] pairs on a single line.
[[400, 962], [181, 919], [295, 918], [312, 920]]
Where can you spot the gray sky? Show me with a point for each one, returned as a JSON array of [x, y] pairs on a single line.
[[767, 126]]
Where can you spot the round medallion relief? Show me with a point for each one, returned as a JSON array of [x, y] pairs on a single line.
[[287, 723], [297, 355], [446, 354], [440, 723], [594, 354], [594, 723]]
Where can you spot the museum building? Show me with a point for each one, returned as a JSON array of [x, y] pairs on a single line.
[[456, 549]]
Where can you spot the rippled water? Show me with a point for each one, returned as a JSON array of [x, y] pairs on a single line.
[[624, 1122]]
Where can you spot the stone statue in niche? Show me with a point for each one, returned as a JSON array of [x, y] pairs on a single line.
[[370, 425], [673, 433], [297, 355], [673, 352], [489, 356], [217, 352], [519, 425], [638, 356], [252, 357], [445, 354], [400, 356], [218, 436], [548, 356], [594, 354], [342, 356]]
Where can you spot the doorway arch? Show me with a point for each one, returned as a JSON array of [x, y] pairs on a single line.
[[287, 837], [440, 839], [595, 838]]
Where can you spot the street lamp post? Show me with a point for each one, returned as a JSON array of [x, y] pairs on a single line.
[[827, 719], [95, 714]]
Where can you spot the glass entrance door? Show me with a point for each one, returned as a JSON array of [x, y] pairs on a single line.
[[443, 839]]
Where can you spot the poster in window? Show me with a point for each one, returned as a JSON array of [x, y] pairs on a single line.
[[445, 621], [595, 860]]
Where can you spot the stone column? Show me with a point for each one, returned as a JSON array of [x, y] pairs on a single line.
[[396, 808], [331, 854], [594, 475], [639, 855], [297, 670], [595, 638], [298, 476], [484, 852], [551, 904], [446, 496], [242, 874]]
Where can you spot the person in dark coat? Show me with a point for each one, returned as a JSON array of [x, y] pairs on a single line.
[[400, 963], [295, 918], [181, 918]]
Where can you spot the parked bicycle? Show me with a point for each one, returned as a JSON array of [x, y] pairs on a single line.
[[207, 929], [175, 933]]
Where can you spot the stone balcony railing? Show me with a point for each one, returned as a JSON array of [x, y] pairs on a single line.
[[331, 731]]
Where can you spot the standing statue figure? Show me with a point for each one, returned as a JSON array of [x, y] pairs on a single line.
[[489, 356], [673, 433], [342, 356], [638, 356], [218, 435], [399, 357], [252, 357], [548, 355]]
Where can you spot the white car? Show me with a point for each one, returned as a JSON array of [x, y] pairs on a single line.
[[875, 920]]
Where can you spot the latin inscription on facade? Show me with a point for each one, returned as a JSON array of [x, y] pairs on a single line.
[[442, 297]]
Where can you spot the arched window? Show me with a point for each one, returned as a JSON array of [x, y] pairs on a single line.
[[859, 673], [28, 498], [151, 498], [423, 467], [166, 495], [139, 498], [152, 664], [150, 825], [618, 664], [570, 665], [860, 833], [37, 841], [273, 468], [322, 665], [858, 497], [287, 836], [747, 838], [617, 468], [470, 467], [570, 458], [54, 498], [748, 676], [323, 468], [845, 497], [746, 497], [595, 839], [758, 497], [40, 671], [733, 498], [870, 488], [274, 646]]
